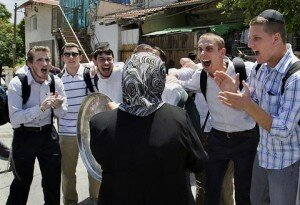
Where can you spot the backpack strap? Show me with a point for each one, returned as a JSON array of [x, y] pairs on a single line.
[[96, 79], [203, 86], [205, 121], [25, 87], [203, 82], [61, 73], [52, 83], [52, 90], [293, 69], [257, 67], [88, 80], [239, 67]]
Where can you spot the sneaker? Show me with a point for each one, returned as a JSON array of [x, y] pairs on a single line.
[[4, 152]]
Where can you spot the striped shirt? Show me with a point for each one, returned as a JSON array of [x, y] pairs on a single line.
[[75, 89], [280, 147]]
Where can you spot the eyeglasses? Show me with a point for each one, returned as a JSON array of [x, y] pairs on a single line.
[[74, 54]]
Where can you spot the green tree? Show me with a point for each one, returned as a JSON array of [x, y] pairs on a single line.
[[5, 15], [251, 8], [6, 38]]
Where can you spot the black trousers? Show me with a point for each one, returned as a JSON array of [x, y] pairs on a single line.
[[240, 147], [26, 147]]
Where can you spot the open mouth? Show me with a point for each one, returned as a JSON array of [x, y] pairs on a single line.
[[206, 63], [106, 69], [44, 70]]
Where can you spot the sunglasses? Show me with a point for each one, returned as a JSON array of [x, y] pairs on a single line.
[[74, 54]]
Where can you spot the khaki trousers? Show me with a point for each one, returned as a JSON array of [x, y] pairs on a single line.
[[70, 152]]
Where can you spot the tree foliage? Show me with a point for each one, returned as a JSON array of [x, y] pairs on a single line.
[[251, 8], [7, 36]]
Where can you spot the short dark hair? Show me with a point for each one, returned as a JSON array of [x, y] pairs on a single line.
[[30, 53], [106, 51], [71, 45]]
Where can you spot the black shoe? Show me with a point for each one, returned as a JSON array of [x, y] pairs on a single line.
[[4, 152]]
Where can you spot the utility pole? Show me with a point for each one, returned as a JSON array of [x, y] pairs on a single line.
[[15, 35]]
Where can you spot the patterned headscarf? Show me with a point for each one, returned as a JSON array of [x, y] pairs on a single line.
[[143, 81]]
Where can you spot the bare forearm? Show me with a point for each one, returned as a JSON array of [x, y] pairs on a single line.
[[262, 118]]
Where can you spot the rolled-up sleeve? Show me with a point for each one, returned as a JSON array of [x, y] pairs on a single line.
[[285, 123], [193, 84]]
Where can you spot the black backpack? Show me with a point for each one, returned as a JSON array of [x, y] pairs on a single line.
[[4, 113], [293, 69], [87, 79]]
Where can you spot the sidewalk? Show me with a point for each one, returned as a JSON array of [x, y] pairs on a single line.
[[36, 193]]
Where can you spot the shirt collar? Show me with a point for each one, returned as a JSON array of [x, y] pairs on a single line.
[[79, 71], [284, 62]]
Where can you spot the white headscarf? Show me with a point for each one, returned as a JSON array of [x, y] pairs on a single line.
[[143, 81]]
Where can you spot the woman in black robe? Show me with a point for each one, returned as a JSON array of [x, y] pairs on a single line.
[[146, 148]]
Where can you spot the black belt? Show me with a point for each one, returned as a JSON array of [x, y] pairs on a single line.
[[45, 128], [233, 134]]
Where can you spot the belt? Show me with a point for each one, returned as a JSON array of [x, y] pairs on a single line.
[[233, 134], [45, 128]]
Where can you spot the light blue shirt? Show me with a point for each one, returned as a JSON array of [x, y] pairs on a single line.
[[30, 114], [280, 147]]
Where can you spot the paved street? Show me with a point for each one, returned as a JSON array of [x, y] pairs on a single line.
[[36, 194]]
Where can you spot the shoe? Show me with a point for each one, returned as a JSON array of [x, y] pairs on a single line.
[[89, 201], [4, 152]]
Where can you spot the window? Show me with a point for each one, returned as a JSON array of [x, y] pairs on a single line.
[[33, 23]]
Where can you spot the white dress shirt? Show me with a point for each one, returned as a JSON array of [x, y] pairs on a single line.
[[30, 114], [223, 118]]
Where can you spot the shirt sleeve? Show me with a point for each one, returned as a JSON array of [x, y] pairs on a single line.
[[284, 124], [193, 84], [61, 111], [185, 73], [196, 154]]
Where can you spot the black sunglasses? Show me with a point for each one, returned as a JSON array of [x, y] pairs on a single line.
[[74, 54]]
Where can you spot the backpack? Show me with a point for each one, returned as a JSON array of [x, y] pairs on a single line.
[[293, 69], [4, 113], [87, 79]]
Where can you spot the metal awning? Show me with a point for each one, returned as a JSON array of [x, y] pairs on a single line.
[[220, 29]]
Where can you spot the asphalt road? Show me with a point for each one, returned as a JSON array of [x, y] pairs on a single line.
[[36, 193]]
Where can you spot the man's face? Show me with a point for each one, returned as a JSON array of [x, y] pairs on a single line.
[[71, 57], [297, 54], [105, 64], [210, 55], [263, 45], [40, 66]]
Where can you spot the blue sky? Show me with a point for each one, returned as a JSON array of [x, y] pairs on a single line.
[[10, 4]]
